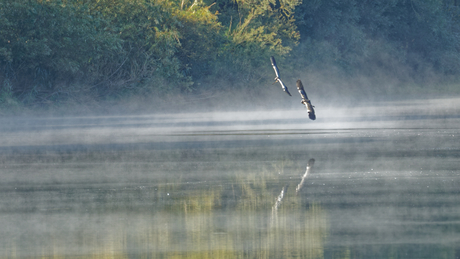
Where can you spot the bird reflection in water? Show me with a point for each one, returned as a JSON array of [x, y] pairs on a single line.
[[279, 199], [283, 192], [309, 170]]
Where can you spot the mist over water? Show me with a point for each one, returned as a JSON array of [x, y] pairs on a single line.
[[367, 181]]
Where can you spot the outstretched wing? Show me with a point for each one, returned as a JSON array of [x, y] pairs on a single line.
[[284, 87], [305, 101], [275, 67], [277, 78]]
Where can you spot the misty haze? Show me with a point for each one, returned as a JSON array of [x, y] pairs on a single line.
[[374, 181], [166, 129]]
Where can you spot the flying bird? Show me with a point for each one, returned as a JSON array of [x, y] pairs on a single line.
[[305, 101], [277, 78]]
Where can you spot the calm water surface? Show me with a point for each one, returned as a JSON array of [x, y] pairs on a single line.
[[378, 181]]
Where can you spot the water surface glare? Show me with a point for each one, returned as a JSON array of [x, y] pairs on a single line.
[[368, 182]]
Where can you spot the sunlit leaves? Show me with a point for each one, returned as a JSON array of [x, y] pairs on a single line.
[[104, 46], [57, 49]]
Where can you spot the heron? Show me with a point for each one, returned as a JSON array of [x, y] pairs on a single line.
[[305, 101], [277, 78]]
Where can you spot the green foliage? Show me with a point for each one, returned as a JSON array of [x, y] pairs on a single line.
[[267, 23], [427, 29], [350, 34], [53, 50], [7, 100], [255, 30], [46, 46], [149, 39], [57, 50], [201, 39]]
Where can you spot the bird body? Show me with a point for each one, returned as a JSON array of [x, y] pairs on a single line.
[[305, 101]]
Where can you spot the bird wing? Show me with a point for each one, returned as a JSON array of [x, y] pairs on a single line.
[[275, 67], [284, 87], [277, 78], [301, 90]]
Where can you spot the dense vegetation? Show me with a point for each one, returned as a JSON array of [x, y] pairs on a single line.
[[54, 51]]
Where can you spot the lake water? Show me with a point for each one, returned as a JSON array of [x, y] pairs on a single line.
[[375, 181]]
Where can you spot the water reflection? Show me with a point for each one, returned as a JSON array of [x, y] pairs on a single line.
[[297, 230], [279, 199], [310, 164], [180, 217], [187, 210], [368, 193]]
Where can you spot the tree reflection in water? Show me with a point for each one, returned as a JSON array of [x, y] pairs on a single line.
[[232, 218], [385, 185], [229, 207]]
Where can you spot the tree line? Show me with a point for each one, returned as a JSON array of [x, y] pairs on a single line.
[[52, 51]]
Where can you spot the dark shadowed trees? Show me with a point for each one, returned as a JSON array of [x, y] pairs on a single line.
[[53, 51]]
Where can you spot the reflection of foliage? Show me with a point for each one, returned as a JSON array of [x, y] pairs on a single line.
[[181, 214], [201, 202], [182, 219], [304, 232], [254, 193], [248, 227]]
